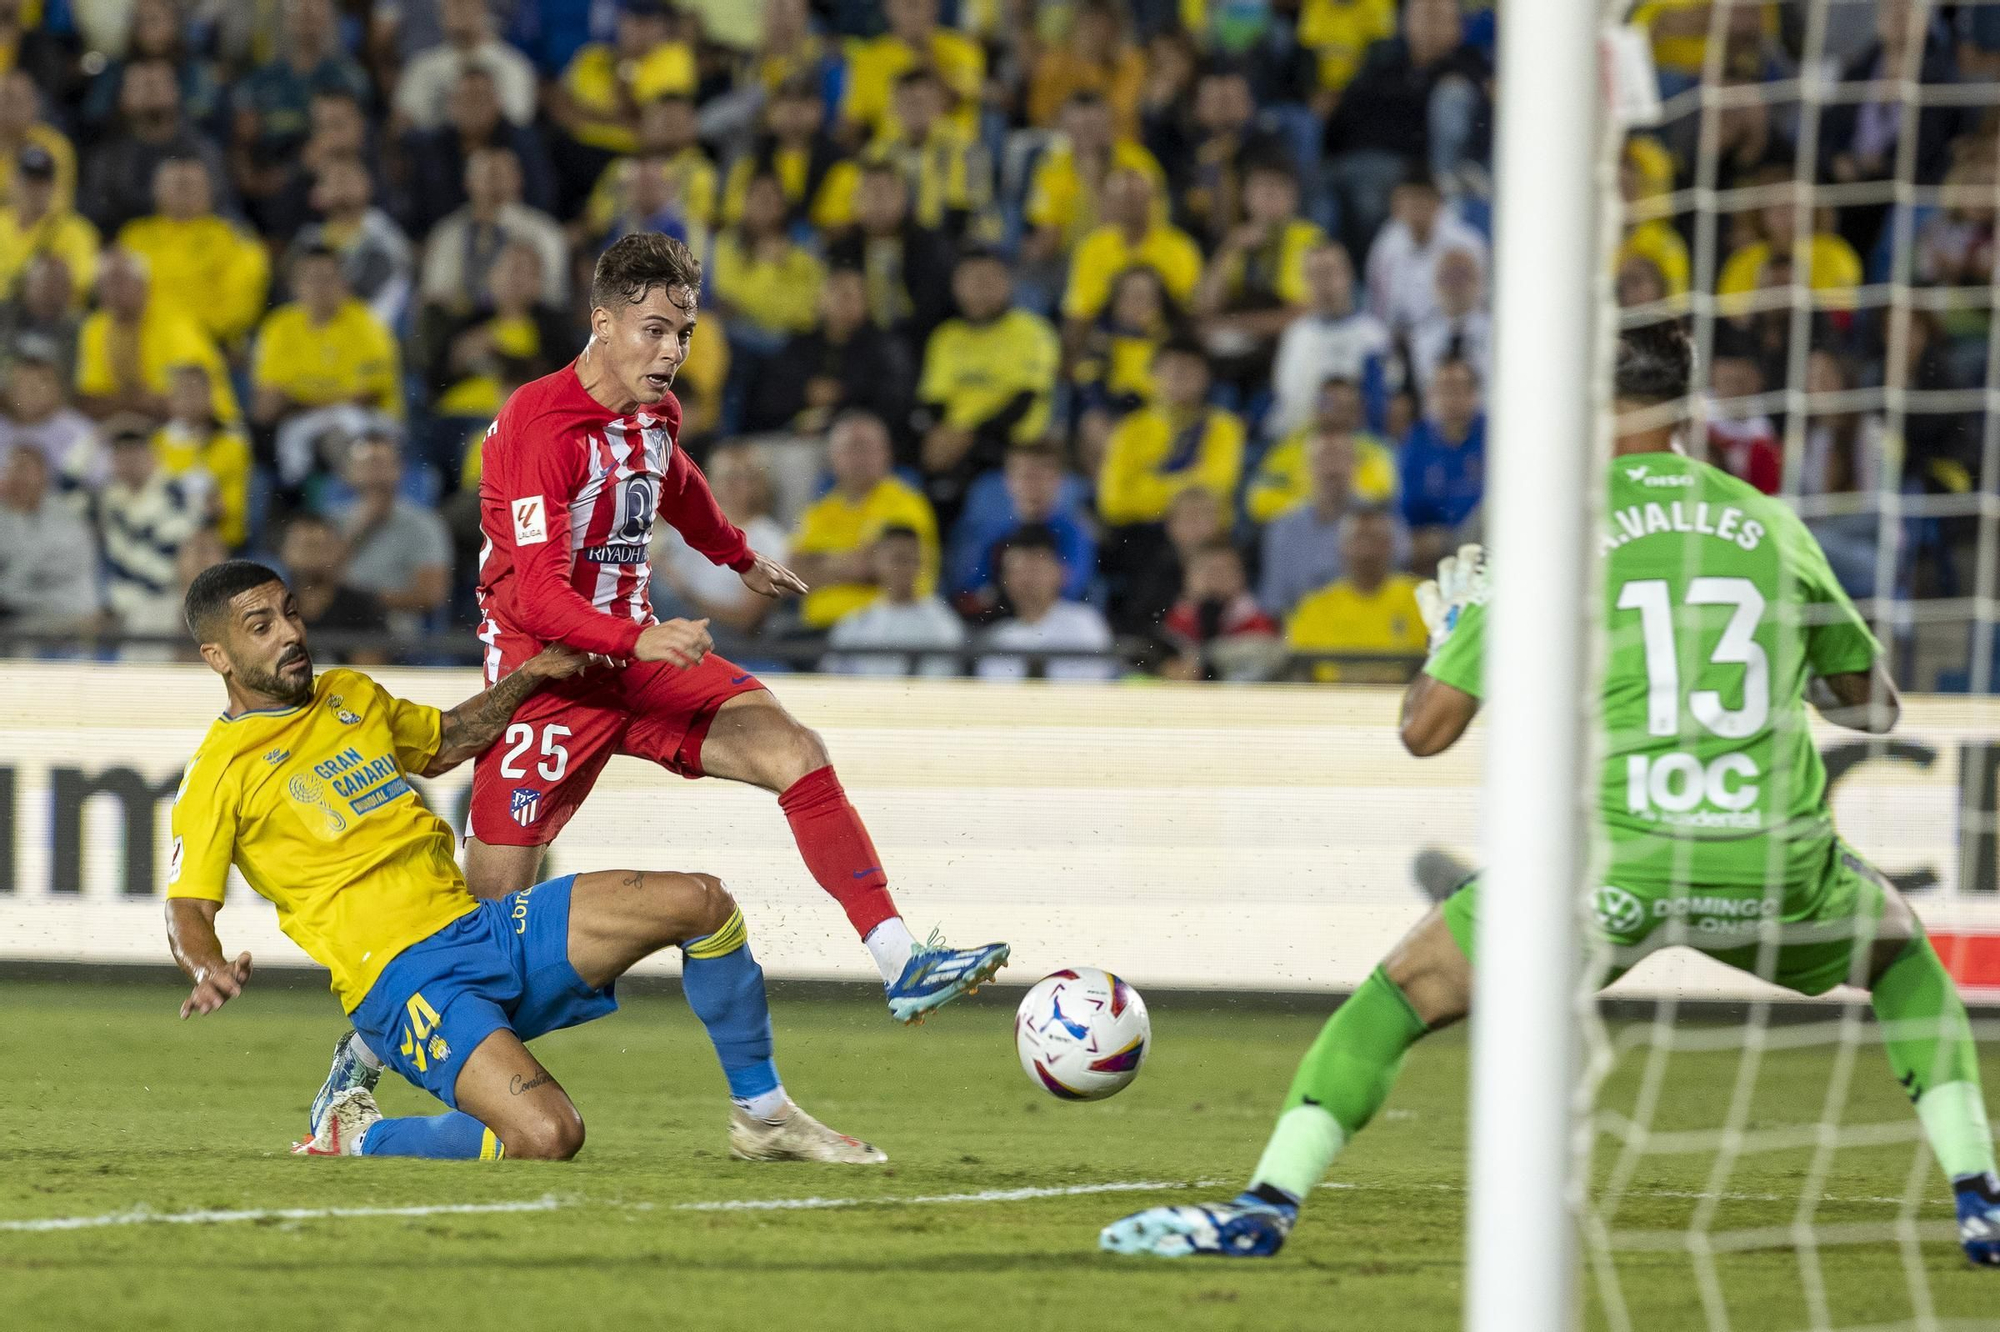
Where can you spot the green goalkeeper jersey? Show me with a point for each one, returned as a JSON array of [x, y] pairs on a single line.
[[1719, 608]]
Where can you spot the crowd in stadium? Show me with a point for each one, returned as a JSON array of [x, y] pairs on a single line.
[[1149, 331]]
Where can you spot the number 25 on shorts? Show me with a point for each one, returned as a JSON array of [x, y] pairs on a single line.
[[555, 754]]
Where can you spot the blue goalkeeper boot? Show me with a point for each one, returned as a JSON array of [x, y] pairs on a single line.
[[1978, 1198], [348, 1073], [1251, 1225], [936, 974]]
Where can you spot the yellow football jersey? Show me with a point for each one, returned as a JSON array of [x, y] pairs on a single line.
[[838, 525], [313, 805]]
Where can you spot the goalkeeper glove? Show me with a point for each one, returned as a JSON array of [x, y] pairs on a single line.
[[1460, 582]]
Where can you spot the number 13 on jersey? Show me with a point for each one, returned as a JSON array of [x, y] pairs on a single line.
[[1676, 783]]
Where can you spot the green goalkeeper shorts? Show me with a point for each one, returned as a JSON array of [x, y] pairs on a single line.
[[1821, 928]]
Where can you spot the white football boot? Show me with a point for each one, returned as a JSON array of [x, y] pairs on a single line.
[[794, 1136], [347, 1117]]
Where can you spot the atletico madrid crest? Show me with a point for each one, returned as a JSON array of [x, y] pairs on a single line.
[[524, 804]]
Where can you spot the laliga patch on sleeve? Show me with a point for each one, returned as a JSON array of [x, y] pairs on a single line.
[[531, 521]]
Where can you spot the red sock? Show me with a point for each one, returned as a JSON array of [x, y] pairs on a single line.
[[837, 849]]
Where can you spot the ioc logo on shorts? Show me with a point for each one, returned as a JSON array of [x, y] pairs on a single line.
[[1618, 912]]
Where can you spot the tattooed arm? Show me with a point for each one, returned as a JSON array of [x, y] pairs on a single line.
[[476, 723]]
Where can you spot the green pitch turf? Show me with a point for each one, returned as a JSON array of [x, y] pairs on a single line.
[[110, 1104]]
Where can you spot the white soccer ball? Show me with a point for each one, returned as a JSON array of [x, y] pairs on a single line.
[[1082, 1034]]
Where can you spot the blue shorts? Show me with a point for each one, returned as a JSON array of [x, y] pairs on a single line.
[[504, 965]]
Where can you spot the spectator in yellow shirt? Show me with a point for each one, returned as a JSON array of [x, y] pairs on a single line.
[[326, 347], [1371, 611], [1255, 284], [1131, 234], [124, 350], [1283, 479], [597, 101], [830, 549], [1113, 373], [949, 171], [1063, 190], [989, 378], [1260, 267], [1645, 178], [670, 135], [202, 263], [22, 127], [907, 268], [765, 282], [819, 183], [914, 38], [1830, 263], [791, 51], [192, 440], [36, 221], [460, 358], [1680, 29], [1178, 443], [1098, 59]]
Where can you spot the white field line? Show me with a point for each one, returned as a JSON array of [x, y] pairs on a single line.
[[550, 1203], [142, 1216], [934, 1199]]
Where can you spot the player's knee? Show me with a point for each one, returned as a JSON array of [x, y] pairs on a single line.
[[802, 752], [556, 1135], [710, 905], [1433, 974]]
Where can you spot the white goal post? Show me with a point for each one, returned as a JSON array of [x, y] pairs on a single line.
[[1549, 124]]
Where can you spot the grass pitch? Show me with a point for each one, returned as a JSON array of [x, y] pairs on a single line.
[[110, 1105]]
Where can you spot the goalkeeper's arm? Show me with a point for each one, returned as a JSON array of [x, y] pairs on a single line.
[[1435, 714], [1859, 700]]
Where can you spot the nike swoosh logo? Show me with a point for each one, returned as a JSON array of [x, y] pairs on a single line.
[[872, 869], [739, 679]]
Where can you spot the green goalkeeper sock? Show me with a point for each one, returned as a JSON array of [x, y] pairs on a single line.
[[1929, 1040], [1342, 1082]]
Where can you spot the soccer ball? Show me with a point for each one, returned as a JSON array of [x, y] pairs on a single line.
[[1082, 1034]]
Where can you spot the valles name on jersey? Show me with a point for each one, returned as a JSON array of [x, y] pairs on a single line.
[[1643, 520]]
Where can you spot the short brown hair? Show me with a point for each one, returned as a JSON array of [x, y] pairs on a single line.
[[1042, 450], [636, 264]]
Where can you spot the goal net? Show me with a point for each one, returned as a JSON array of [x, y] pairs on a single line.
[[1811, 188]]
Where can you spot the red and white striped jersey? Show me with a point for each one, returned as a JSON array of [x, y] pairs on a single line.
[[568, 493]]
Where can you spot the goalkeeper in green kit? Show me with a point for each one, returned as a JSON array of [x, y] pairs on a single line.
[[1723, 622]]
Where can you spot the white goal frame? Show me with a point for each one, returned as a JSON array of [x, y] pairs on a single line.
[[1549, 272]]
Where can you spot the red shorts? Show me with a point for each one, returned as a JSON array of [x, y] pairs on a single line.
[[526, 787]]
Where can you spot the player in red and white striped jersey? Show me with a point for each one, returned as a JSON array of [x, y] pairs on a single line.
[[573, 474]]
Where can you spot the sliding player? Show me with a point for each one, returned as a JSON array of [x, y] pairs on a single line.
[[1711, 791], [574, 474], [303, 784]]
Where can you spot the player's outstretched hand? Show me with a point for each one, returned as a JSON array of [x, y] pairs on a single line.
[[1461, 581], [768, 578], [216, 986], [682, 642], [558, 662]]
